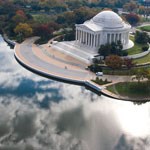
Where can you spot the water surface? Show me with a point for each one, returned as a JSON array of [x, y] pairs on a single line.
[[41, 114]]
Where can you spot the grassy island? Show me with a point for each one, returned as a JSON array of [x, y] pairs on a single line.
[[131, 89], [145, 28], [137, 48]]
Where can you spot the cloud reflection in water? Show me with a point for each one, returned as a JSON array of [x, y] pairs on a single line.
[[37, 113]]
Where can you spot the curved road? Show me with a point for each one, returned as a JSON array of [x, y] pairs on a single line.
[[30, 56]]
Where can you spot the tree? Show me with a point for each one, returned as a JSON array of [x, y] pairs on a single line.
[[83, 13], [119, 46], [141, 37], [128, 62], [131, 6], [114, 48], [19, 17], [105, 50], [114, 62], [132, 18], [23, 30], [43, 31], [140, 74]]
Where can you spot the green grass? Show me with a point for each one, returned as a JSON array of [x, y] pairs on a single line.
[[123, 71], [145, 28], [42, 18], [131, 38], [117, 72], [145, 59], [136, 49], [131, 89]]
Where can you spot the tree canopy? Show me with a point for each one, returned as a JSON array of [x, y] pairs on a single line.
[[114, 48], [114, 62], [141, 37]]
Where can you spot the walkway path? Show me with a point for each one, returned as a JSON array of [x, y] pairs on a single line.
[[33, 56]]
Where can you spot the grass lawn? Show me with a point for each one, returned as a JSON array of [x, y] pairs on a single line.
[[116, 72], [42, 18], [131, 89], [137, 48], [145, 59], [145, 28]]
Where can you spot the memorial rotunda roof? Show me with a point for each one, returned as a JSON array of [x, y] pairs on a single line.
[[106, 19]]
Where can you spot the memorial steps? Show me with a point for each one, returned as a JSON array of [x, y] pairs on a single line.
[[75, 51]]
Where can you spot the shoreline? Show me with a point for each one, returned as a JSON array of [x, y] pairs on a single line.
[[86, 84], [100, 90], [8, 41]]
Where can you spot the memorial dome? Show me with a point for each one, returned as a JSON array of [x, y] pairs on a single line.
[[108, 19]]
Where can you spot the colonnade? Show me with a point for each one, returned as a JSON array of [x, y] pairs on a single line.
[[94, 40], [88, 38], [114, 37]]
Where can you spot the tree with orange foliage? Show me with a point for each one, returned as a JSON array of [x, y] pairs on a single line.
[[19, 17], [23, 30]]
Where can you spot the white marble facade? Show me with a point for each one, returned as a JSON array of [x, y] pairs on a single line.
[[105, 27]]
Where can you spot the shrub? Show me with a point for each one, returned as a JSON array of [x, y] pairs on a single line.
[[145, 48], [124, 53], [95, 68], [101, 81]]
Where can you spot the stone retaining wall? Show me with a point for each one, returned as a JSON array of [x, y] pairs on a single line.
[[135, 56]]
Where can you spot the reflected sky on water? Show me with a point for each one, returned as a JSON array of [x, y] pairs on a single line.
[[41, 114]]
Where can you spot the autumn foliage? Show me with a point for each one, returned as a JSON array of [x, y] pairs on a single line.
[[114, 62]]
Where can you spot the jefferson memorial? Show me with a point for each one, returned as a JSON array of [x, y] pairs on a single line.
[[105, 27]]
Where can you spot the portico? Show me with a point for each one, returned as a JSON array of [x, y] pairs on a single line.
[[87, 38]]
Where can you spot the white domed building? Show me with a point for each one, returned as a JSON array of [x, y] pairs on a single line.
[[105, 27]]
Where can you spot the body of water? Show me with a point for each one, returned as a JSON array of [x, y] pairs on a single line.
[[41, 114]]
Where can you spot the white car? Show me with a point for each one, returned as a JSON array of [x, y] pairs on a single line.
[[99, 73]]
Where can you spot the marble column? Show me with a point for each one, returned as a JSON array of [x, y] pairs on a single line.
[[87, 38], [84, 37], [90, 40], [110, 39], [76, 34], [79, 36], [94, 40], [98, 40], [116, 36]]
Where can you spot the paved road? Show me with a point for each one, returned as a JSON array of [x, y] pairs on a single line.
[[27, 52]]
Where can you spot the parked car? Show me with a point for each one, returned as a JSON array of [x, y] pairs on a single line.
[[99, 73]]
